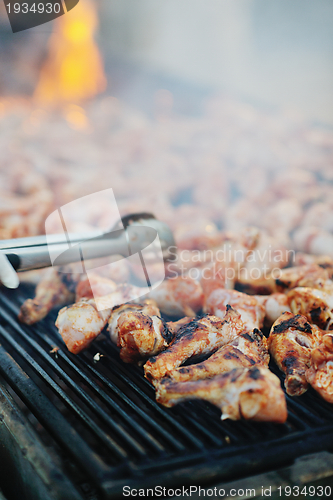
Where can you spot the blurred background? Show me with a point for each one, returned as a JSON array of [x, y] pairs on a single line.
[[268, 51], [215, 115]]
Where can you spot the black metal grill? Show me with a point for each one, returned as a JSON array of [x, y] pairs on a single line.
[[106, 430]]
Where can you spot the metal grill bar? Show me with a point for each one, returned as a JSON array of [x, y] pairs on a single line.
[[76, 389], [119, 452], [119, 369], [52, 419]]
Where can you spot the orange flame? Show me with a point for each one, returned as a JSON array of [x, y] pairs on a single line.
[[73, 70]]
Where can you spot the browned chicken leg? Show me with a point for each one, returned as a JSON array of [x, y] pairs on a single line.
[[55, 289], [200, 336], [250, 393], [246, 350], [138, 330]]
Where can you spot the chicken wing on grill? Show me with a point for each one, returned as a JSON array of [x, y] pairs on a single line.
[[138, 330], [246, 350], [320, 373], [200, 336], [55, 289], [315, 304], [80, 324], [249, 393], [251, 311], [290, 342]]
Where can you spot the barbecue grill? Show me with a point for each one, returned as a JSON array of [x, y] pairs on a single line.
[[84, 426]]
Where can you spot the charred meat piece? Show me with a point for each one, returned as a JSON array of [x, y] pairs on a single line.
[[198, 337], [55, 289], [179, 296], [249, 393], [320, 373], [290, 342], [138, 331], [246, 350], [315, 304], [250, 309]]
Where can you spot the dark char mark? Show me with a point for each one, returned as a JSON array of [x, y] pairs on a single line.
[[292, 323], [315, 314], [255, 374], [166, 333], [290, 362]]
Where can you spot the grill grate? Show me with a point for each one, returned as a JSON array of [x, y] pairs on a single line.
[[103, 416]]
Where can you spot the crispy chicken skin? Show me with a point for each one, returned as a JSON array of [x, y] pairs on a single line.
[[320, 373], [246, 350], [242, 393], [200, 336], [138, 330], [55, 289], [251, 311], [290, 343], [179, 296], [275, 305], [80, 324], [315, 304]]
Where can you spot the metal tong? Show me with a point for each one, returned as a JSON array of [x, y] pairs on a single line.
[[132, 234]]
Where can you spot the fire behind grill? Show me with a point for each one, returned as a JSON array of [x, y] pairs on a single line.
[[99, 427]]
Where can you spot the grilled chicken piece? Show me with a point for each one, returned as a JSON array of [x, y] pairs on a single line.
[[290, 342], [251, 311], [320, 373], [200, 336], [80, 323], [249, 393], [138, 331], [55, 289], [315, 304], [275, 305], [246, 350], [179, 296]]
